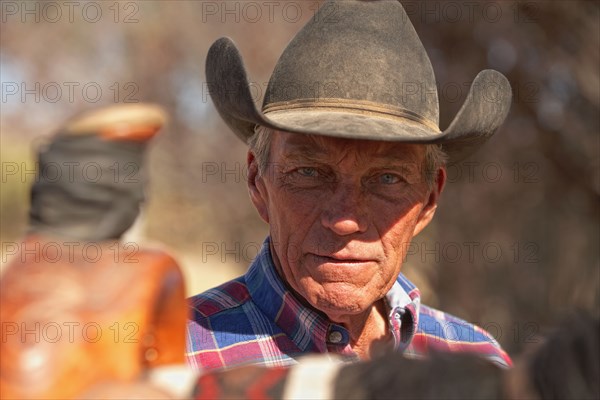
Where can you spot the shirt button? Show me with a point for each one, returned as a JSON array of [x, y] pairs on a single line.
[[335, 337]]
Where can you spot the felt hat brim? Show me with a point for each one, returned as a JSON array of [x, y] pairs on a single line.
[[485, 108]]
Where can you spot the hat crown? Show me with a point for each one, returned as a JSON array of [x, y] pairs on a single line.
[[362, 52]]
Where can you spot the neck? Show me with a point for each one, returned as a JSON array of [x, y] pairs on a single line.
[[369, 331]]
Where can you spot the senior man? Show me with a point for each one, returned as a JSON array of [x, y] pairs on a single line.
[[346, 165]]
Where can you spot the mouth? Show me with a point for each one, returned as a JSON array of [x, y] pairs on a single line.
[[338, 259]]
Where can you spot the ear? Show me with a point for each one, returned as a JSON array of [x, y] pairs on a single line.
[[256, 188], [428, 210]]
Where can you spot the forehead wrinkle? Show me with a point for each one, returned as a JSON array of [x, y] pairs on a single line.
[[400, 157], [297, 143], [320, 147], [303, 153], [310, 147]]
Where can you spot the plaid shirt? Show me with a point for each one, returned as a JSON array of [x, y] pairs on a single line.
[[254, 319]]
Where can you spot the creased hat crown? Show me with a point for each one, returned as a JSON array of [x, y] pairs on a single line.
[[357, 54]]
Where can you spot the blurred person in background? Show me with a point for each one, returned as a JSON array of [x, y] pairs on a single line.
[[346, 165]]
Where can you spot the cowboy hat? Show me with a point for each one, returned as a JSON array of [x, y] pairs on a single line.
[[356, 70]]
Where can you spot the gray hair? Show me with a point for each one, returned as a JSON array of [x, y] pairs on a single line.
[[260, 145]]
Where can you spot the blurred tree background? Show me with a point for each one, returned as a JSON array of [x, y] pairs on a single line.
[[516, 238]]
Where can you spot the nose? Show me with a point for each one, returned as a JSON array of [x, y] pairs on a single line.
[[345, 212]]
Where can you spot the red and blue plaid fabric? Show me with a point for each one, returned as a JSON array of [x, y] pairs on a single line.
[[254, 319]]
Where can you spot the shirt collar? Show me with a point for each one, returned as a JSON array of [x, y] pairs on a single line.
[[308, 328], [404, 300]]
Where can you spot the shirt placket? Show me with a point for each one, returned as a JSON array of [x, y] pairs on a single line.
[[338, 342]]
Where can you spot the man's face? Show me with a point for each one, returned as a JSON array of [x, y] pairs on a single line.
[[342, 213]]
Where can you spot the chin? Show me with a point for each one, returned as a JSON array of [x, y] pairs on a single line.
[[342, 303]]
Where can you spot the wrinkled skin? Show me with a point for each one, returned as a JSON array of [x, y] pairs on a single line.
[[342, 213]]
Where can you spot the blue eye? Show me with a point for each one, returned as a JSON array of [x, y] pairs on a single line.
[[388, 179], [308, 171]]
